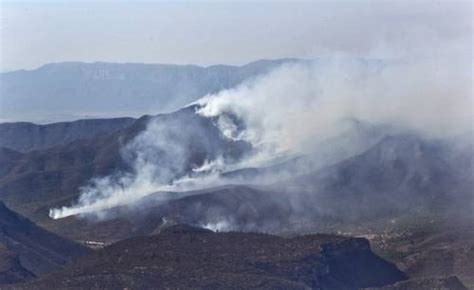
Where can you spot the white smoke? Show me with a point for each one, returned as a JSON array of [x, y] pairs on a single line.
[[300, 104], [219, 226], [287, 112], [156, 155]]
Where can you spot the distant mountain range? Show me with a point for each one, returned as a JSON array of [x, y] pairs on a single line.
[[71, 90]]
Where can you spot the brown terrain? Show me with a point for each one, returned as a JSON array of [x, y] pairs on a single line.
[[185, 257]]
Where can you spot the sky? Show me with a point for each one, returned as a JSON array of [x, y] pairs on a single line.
[[34, 33]]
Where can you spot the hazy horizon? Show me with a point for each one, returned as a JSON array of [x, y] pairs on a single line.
[[224, 33]]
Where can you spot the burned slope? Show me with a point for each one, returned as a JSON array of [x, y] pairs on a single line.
[[233, 207], [401, 174], [49, 176], [27, 251], [398, 176], [33, 182], [184, 257]]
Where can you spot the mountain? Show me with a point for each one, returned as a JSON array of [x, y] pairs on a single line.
[[24, 137], [75, 88], [8, 159], [181, 256], [401, 174], [27, 251], [394, 177], [398, 173], [35, 181]]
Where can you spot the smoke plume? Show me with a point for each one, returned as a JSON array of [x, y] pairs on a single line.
[[283, 114]]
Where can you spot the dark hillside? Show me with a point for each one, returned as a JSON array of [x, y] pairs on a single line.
[[26, 137], [183, 257], [27, 251]]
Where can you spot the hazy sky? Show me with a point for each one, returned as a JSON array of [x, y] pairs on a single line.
[[38, 32]]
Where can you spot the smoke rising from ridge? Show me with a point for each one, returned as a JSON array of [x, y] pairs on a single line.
[[282, 114]]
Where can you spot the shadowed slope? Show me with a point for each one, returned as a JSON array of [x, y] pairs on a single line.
[[182, 257], [26, 137], [27, 250]]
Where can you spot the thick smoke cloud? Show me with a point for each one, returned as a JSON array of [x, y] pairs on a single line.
[[287, 113], [160, 157], [300, 103]]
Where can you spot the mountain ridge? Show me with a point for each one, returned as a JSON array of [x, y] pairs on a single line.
[[106, 88], [27, 136], [184, 256]]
